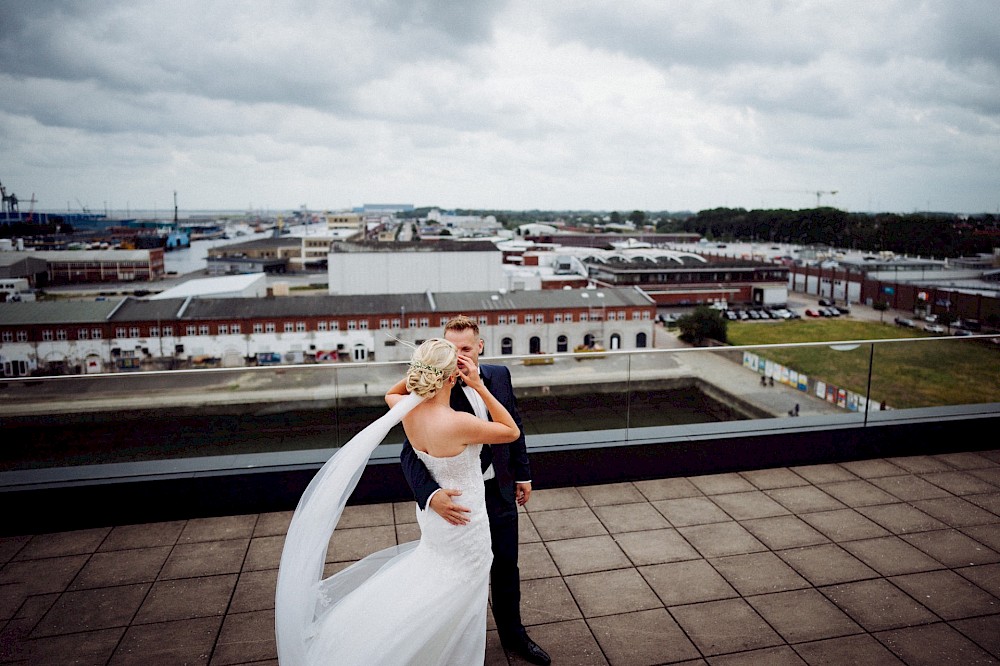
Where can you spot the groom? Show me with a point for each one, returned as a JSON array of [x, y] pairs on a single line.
[[508, 484]]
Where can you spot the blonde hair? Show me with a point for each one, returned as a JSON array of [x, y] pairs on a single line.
[[432, 364]]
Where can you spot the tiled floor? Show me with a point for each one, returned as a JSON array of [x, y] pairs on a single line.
[[881, 561]]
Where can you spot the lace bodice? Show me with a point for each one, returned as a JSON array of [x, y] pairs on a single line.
[[462, 471]]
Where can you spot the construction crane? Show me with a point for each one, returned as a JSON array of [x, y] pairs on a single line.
[[9, 201], [820, 193]]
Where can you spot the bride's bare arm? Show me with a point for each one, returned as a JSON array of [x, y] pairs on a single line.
[[396, 393], [502, 429]]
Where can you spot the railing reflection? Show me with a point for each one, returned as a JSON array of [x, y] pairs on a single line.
[[582, 398]]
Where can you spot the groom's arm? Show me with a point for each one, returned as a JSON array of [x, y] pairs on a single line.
[[417, 475], [520, 468]]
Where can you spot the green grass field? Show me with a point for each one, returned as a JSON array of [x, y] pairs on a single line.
[[924, 373]]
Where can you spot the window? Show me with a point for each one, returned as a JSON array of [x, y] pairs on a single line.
[[621, 315], [223, 329], [412, 323], [235, 328], [133, 332], [645, 315], [502, 320], [321, 326], [191, 330], [288, 327], [203, 329], [168, 331], [119, 333], [395, 323], [334, 325], [534, 345], [363, 324], [616, 341], [636, 315], [270, 327], [9, 337], [484, 320], [96, 333], [83, 334], [442, 321], [539, 319], [360, 353], [569, 317], [507, 346], [640, 340], [557, 318], [611, 316], [300, 326], [529, 319], [562, 343], [584, 316], [425, 321], [258, 328], [352, 325], [383, 324], [513, 319]]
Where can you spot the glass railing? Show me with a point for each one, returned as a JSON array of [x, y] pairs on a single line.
[[586, 399]]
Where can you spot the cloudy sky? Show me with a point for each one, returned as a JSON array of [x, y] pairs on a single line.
[[550, 104]]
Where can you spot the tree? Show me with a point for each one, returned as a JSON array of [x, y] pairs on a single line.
[[637, 217], [704, 323], [947, 318], [880, 307]]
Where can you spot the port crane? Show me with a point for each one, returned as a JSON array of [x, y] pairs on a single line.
[[9, 201], [820, 193]]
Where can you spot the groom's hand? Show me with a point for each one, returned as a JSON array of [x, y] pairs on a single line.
[[522, 493], [443, 506]]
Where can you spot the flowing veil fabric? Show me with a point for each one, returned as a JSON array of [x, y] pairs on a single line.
[[302, 596]]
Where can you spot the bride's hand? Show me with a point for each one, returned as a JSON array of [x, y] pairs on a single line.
[[469, 372]]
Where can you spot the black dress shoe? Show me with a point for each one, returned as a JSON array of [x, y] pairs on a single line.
[[529, 650]]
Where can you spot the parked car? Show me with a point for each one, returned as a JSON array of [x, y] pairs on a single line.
[[904, 322], [754, 315], [826, 302], [812, 313], [731, 315], [931, 318], [743, 315], [843, 309], [833, 312], [934, 328]]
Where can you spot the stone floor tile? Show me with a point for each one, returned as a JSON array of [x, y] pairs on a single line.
[[534, 561], [909, 488], [178, 642], [495, 655], [949, 595], [545, 600], [870, 469], [933, 645], [353, 544], [965, 460], [149, 535], [631, 592], [721, 539], [745, 629], [686, 511], [990, 475], [658, 489], [781, 532], [988, 535], [804, 499], [758, 573], [983, 631], [12, 597], [254, 591], [988, 501], [404, 512], [567, 523], [366, 515], [827, 564], [218, 528], [246, 637], [803, 615], [208, 558], [655, 547], [857, 493], [920, 464], [823, 473], [611, 493], [264, 553], [953, 548], [878, 605], [526, 532], [743, 506], [407, 532], [572, 641], [554, 498], [631, 517], [87, 610], [121, 567], [960, 483], [587, 554], [11, 545], [768, 479], [690, 582], [642, 638], [900, 518], [844, 525], [891, 556], [187, 598], [991, 454], [35, 607], [857, 650], [986, 576], [274, 523], [782, 655], [717, 484], [957, 512], [62, 544], [91, 647]]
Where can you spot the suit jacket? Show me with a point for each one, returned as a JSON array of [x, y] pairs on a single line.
[[510, 461]]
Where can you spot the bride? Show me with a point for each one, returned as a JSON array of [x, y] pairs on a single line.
[[418, 603]]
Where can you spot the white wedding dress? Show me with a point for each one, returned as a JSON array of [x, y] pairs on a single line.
[[418, 603]]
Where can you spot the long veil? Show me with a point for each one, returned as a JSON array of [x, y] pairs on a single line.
[[301, 595]]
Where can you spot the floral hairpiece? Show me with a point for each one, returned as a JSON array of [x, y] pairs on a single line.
[[417, 365]]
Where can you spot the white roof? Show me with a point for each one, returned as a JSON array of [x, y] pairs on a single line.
[[213, 286]]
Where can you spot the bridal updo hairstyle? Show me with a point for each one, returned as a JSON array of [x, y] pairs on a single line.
[[432, 364]]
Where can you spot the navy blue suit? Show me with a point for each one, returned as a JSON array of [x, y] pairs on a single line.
[[510, 463]]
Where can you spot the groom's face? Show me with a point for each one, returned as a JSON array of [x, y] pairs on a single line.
[[467, 342]]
